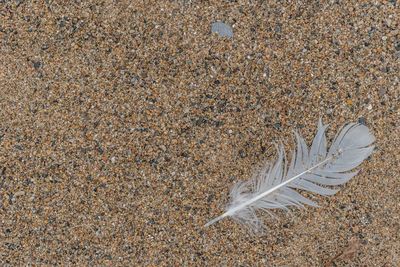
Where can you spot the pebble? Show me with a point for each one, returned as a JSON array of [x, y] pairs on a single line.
[[382, 91], [222, 29], [19, 193], [37, 64]]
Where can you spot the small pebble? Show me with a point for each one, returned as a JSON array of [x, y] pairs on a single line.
[[362, 121], [37, 64], [223, 29], [134, 80], [19, 193]]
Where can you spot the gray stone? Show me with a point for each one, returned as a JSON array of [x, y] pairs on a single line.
[[222, 29]]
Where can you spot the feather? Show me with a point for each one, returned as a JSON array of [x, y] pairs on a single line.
[[314, 170]]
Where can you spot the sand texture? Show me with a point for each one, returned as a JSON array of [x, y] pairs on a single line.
[[123, 125]]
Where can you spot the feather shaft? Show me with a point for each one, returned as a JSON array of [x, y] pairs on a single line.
[[262, 195]]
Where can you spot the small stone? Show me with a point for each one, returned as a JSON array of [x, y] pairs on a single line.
[[113, 160], [369, 107], [37, 64], [365, 220], [397, 46], [19, 193], [134, 80], [222, 29], [277, 125], [362, 121], [278, 28]]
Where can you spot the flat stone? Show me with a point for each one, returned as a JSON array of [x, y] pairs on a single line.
[[222, 29]]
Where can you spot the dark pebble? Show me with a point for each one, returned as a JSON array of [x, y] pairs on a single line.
[[37, 64]]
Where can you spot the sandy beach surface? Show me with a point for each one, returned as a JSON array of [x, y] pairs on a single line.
[[124, 124]]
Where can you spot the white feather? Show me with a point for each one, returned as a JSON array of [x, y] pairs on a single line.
[[310, 170]]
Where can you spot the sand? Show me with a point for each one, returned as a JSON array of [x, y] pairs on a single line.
[[123, 125]]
